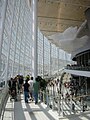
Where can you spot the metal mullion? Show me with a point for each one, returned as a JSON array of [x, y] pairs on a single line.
[[50, 58], [21, 40], [43, 56], [2, 26], [24, 59], [15, 41], [58, 60], [34, 5], [9, 43]]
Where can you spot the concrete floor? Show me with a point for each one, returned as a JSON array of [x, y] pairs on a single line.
[[29, 111]]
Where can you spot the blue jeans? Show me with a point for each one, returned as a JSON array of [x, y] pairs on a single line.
[[36, 97], [26, 94]]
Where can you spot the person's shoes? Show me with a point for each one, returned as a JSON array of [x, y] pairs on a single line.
[[15, 100], [36, 103], [31, 99], [26, 101]]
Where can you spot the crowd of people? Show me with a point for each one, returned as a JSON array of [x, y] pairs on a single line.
[[29, 87], [15, 86]]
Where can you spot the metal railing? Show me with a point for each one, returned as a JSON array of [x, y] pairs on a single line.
[[83, 68], [3, 100], [57, 102]]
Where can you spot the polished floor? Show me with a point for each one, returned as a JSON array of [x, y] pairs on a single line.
[[29, 111]]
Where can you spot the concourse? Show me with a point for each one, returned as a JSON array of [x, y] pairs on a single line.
[[44, 59]]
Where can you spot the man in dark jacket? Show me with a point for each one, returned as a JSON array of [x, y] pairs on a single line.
[[26, 91]]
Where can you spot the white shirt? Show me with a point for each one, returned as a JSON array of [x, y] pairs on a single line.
[[31, 84]]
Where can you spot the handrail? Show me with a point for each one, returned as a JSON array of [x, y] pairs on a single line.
[[3, 73], [57, 100], [83, 68], [3, 102], [57, 96]]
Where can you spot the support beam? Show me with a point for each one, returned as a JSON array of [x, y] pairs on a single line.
[[34, 4]]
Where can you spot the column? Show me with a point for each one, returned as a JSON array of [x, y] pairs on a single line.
[[21, 45], [50, 61], [2, 19], [34, 4], [65, 59], [16, 40], [58, 60], [9, 42], [43, 56]]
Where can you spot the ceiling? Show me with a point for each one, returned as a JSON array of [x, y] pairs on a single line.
[[55, 16]]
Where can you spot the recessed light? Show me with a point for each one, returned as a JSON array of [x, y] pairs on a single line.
[[80, 7]]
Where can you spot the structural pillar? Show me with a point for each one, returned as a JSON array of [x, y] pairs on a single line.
[[58, 60], [9, 43], [50, 61], [43, 56], [34, 5], [2, 20]]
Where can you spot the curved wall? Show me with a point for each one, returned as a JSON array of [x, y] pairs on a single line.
[[82, 49]]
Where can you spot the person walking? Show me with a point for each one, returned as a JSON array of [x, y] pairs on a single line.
[[36, 86], [26, 90], [31, 88], [20, 83]]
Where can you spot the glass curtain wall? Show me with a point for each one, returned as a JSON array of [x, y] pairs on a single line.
[[16, 44], [50, 60], [40, 53], [46, 57], [43, 55], [16, 40], [54, 59]]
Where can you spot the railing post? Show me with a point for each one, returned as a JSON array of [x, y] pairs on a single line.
[[53, 97], [47, 97], [40, 96], [59, 103], [43, 97], [62, 106], [70, 105]]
